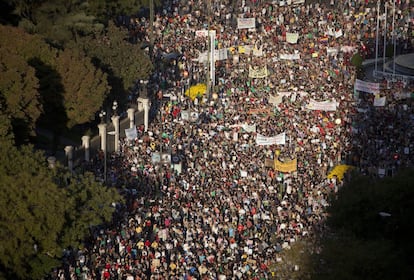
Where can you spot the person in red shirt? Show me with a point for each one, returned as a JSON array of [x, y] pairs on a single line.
[[106, 274]]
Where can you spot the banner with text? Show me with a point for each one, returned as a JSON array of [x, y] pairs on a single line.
[[279, 139], [258, 51], [286, 56], [246, 23], [366, 86], [258, 73], [292, 38], [275, 100], [322, 105], [289, 93], [204, 33], [249, 128], [286, 166]]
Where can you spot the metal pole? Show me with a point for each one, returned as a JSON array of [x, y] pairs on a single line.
[[212, 61], [376, 41], [162, 126], [208, 61], [393, 39], [385, 38], [105, 160]]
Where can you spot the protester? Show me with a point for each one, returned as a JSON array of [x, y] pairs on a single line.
[[226, 214]]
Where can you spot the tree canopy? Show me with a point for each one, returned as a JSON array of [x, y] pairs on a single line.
[[43, 213], [65, 83], [112, 52], [85, 96], [19, 95]]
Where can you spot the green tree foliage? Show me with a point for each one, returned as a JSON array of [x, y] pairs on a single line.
[[17, 41], [6, 129], [75, 25], [42, 213], [83, 98], [91, 205], [107, 9], [62, 21], [19, 93], [357, 60], [36, 10], [70, 86], [117, 56], [32, 215], [365, 244]]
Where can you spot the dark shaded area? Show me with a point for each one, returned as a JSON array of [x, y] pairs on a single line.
[[371, 229], [51, 90], [6, 14]]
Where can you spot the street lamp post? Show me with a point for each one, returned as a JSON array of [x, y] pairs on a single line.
[[102, 133], [115, 122], [143, 102], [376, 41]]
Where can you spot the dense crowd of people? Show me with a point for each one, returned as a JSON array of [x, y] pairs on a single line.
[[221, 211]]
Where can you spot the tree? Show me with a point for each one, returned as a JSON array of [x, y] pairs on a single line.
[[356, 60], [71, 88], [91, 206], [121, 59], [6, 129], [63, 21], [19, 93], [81, 25], [106, 9], [85, 86], [43, 213], [32, 215]]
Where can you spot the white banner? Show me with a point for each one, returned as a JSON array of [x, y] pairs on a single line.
[[131, 133], [338, 33], [220, 54], [331, 51], [258, 51], [402, 95], [330, 32], [379, 101], [297, 2], [279, 139], [347, 49], [201, 33], [204, 33], [258, 73], [335, 50], [366, 86], [185, 115], [322, 105], [289, 56], [289, 93], [202, 57], [245, 49], [289, 2], [246, 23], [249, 128], [275, 100], [292, 38]]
